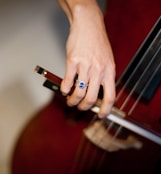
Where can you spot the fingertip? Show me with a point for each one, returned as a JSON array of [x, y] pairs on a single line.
[[104, 111], [102, 115], [64, 88], [64, 94], [107, 104], [68, 101]]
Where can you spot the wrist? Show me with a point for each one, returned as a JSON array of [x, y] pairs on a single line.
[[82, 9]]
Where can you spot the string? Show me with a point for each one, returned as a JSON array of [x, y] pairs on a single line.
[[127, 82], [77, 156], [107, 130], [131, 75], [108, 145], [78, 153], [136, 84], [145, 87], [94, 154], [86, 149]]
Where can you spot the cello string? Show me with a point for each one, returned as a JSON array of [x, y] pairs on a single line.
[[136, 84], [108, 145], [107, 130], [100, 163], [94, 154], [131, 75], [80, 148], [127, 82], [145, 87], [77, 156], [86, 149], [82, 161]]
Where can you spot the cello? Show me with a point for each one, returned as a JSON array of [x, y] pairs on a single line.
[[124, 142]]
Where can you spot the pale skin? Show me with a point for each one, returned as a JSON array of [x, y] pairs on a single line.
[[89, 54]]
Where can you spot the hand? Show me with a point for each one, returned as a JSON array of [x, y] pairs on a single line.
[[90, 56]]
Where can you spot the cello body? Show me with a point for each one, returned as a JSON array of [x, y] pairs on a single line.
[[50, 141]]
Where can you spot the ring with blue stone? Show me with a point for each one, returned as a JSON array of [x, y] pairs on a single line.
[[81, 84]]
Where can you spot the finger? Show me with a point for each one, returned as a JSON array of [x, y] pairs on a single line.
[[79, 92], [108, 97], [68, 81], [91, 95]]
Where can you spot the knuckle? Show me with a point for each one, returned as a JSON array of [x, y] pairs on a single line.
[[86, 104], [90, 101], [113, 70], [78, 96], [72, 60], [100, 67]]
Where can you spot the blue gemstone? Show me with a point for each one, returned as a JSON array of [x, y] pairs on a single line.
[[81, 85]]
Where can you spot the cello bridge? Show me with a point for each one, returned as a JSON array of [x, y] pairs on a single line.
[[102, 133]]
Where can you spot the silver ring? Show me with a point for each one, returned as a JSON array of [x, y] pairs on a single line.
[[81, 84]]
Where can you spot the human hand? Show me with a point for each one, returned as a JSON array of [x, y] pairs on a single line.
[[89, 55]]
